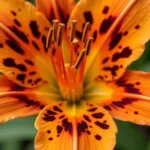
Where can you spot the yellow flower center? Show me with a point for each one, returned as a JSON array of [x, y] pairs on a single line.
[[69, 75]]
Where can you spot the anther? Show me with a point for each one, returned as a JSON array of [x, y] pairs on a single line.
[[59, 34], [88, 45], [79, 59], [49, 38], [85, 31], [73, 29], [55, 26]]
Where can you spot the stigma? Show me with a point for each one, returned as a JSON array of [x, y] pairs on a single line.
[[69, 75]]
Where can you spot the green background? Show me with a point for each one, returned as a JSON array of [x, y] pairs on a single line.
[[19, 134]]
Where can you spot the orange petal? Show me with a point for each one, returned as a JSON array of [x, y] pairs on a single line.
[[81, 127], [130, 99], [23, 31], [118, 28], [56, 9], [17, 101]]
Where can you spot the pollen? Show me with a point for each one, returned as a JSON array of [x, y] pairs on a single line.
[[69, 75]]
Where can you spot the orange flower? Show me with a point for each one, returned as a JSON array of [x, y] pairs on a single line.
[[75, 82]]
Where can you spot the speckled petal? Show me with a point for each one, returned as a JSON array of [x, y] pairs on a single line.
[[127, 99], [120, 30], [80, 127], [23, 32]]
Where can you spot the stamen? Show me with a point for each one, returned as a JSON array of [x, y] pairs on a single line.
[[85, 31], [49, 38], [79, 59], [55, 26], [59, 34], [69, 72], [72, 31], [88, 45]]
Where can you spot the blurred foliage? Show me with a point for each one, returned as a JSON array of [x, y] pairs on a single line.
[[19, 134]]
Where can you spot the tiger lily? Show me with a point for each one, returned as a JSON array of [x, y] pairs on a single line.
[[67, 63]]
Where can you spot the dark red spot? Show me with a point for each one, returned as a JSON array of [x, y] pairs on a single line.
[[32, 73], [118, 104], [129, 87], [113, 69], [30, 81], [104, 121], [44, 43], [37, 80], [125, 33], [106, 24], [17, 22], [35, 45], [42, 106], [115, 41], [9, 62], [1, 45], [98, 115], [123, 102], [98, 137], [15, 47], [21, 77], [59, 129], [102, 125], [86, 118], [92, 109], [126, 52], [29, 62], [88, 17], [20, 34], [34, 29], [50, 139], [57, 109], [67, 126], [107, 108], [120, 47], [88, 132], [27, 101], [81, 127], [94, 35], [61, 116], [136, 112], [137, 83], [49, 112], [105, 60], [49, 118], [105, 10], [48, 131], [137, 27], [13, 12]]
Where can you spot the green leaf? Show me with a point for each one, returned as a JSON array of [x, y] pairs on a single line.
[[129, 137], [22, 129]]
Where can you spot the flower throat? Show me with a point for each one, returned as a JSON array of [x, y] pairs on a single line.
[[69, 76]]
